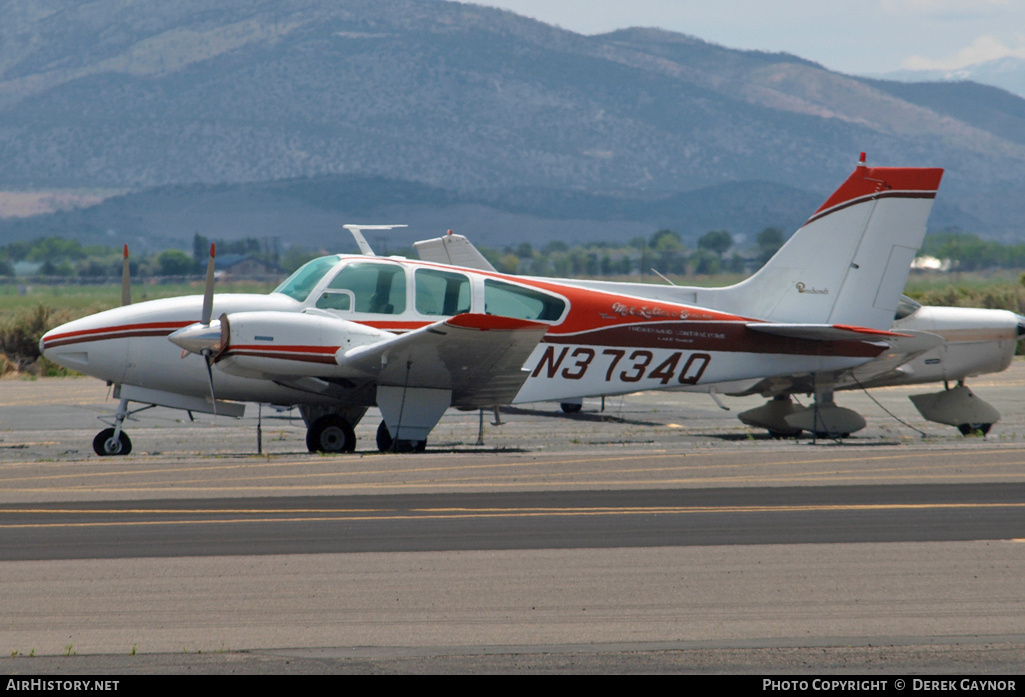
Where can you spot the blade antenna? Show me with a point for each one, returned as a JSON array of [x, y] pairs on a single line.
[[126, 280], [361, 241]]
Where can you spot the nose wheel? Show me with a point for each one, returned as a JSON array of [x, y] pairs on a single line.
[[106, 444]]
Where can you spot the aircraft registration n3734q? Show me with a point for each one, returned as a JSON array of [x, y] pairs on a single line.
[[415, 337]]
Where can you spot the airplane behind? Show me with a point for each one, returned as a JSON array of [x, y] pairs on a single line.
[[967, 342], [347, 332]]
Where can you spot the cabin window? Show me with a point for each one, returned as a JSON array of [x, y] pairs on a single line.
[[906, 307], [441, 292], [378, 289], [507, 300], [299, 285]]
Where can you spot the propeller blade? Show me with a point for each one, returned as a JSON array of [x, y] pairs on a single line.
[[126, 280], [208, 292], [210, 379]]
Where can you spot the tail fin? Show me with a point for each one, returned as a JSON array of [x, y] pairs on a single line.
[[848, 263]]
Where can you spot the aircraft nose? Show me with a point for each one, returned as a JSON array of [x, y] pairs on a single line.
[[50, 340], [61, 346]]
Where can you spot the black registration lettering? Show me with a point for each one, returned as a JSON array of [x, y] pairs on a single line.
[[586, 356], [641, 360], [548, 359], [694, 368]]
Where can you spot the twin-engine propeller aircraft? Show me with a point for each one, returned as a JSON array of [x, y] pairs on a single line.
[[414, 338]]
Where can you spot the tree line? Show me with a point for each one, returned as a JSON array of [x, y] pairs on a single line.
[[663, 252]]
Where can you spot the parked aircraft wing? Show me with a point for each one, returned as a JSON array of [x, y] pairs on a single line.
[[479, 357]]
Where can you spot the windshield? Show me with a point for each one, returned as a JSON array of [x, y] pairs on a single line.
[[299, 285], [906, 307]]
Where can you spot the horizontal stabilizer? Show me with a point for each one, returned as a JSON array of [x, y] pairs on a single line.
[[824, 332]]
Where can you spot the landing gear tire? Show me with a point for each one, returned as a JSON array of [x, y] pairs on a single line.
[[386, 444], [105, 445], [972, 429], [571, 407], [331, 434], [831, 436]]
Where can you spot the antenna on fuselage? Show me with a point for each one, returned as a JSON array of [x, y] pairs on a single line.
[[126, 280], [361, 241], [655, 271]]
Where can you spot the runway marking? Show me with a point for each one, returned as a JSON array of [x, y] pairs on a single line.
[[535, 461], [391, 514], [526, 478]]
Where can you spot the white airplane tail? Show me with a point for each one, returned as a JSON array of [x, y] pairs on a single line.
[[848, 263]]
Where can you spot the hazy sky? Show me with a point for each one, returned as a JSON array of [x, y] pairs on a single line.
[[851, 36]]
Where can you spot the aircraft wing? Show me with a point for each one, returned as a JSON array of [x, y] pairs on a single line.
[[479, 357]]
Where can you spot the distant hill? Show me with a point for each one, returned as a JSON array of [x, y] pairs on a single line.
[[310, 212], [497, 118], [1007, 73]]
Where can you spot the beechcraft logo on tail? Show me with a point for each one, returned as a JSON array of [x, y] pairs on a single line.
[[801, 288]]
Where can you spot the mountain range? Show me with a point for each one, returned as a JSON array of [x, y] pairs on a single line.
[[291, 117], [1007, 73]]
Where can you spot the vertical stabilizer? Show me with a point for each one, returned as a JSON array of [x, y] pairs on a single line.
[[454, 250], [848, 263]]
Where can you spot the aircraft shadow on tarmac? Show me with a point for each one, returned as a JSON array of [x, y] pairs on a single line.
[[593, 417]]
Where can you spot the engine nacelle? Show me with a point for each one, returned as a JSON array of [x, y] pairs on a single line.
[[268, 344]]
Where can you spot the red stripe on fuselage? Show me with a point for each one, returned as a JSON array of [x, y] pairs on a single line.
[[304, 354], [124, 331]]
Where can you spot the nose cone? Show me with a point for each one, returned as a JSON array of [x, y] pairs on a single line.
[[199, 338], [68, 345]]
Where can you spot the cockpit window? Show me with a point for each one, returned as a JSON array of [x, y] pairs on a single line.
[[367, 287], [441, 292], [507, 300], [299, 285], [906, 307]]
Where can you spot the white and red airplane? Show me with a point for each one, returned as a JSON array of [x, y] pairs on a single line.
[[348, 332]]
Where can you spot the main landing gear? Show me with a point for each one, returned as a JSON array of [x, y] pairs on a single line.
[[783, 419], [331, 434], [386, 444], [958, 407], [331, 431]]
